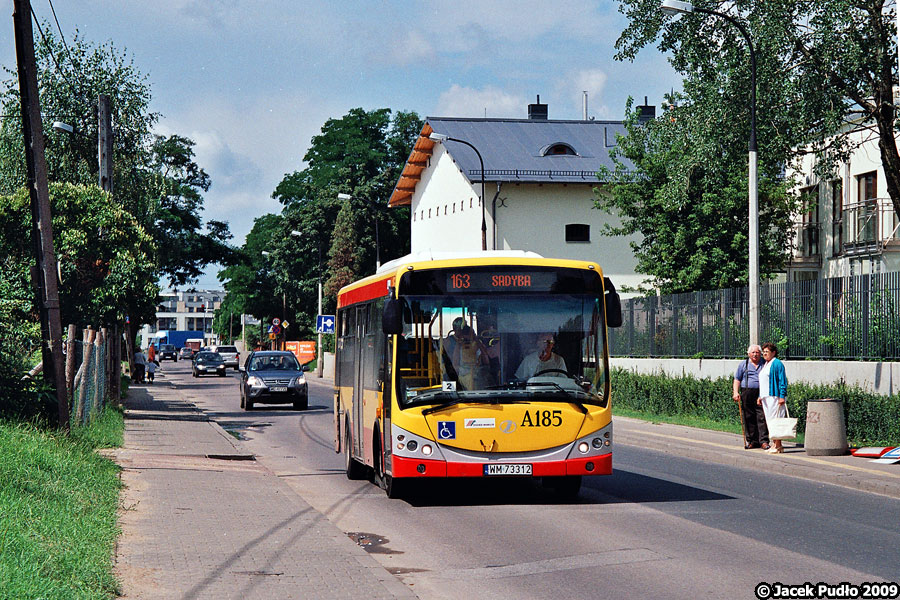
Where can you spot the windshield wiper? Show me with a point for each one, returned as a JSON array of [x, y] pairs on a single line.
[[570, 395]]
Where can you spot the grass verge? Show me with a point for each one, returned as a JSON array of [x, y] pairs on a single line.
[[687, 421], [58, 501]]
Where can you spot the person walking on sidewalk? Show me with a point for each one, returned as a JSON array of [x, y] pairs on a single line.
[[745, 390], [773, 389]]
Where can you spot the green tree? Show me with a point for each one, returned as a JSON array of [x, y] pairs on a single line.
[[104, 254], [823, 68], [342, 257], [249, 281], [676, 186], [360, 154], [182, 247]]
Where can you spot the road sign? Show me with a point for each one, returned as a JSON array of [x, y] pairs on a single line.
[[272, 336], [285, 324], [274, 330], [325, 324], [276, 321]]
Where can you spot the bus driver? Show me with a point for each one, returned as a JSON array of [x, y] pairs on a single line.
[[542, 359]]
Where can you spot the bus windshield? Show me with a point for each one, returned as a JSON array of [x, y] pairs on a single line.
[[485, 348]]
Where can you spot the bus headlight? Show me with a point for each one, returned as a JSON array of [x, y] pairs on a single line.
[[411, 445], [583, 447], [426, 450], [597, 443]]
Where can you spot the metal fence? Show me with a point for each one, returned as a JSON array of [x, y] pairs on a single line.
[[842, 318], [89, 373]]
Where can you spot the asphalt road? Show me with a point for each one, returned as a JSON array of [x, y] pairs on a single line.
[[660, 526]]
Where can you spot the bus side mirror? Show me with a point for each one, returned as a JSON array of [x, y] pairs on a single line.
[[613, 304], [392, 318]]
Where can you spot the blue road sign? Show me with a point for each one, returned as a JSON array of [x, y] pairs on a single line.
[[325, 324]]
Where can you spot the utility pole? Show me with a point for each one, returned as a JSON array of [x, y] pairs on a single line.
[[105, 160], [45, 275]]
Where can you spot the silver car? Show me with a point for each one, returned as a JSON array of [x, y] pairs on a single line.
[[230, 355]]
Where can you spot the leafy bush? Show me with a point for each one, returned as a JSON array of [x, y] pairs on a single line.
[[871, 419]]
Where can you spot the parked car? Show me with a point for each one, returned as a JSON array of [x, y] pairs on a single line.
[[167, 351], [273, 377], [207, 363], [230, 354], [186, 353]]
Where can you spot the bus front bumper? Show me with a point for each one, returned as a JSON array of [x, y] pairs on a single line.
[[419, 467]]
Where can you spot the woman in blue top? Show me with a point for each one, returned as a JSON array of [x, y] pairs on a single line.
[[773, 389]]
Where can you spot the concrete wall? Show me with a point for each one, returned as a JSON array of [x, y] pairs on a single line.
[[878, 377]]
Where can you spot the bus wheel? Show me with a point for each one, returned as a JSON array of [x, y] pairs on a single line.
[[393, 488], [354, 470], [566, 488]]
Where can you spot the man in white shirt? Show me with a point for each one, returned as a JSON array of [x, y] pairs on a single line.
[[542, 359]]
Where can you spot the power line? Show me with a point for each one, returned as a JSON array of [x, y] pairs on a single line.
[[50, 51], [61, 36]]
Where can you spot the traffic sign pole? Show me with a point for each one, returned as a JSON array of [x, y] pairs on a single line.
[[319, 347]]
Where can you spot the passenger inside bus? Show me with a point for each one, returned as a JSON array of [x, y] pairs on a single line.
[[470, 360], [542, 359]]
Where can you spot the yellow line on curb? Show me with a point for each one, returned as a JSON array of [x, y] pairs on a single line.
[[806, 458]]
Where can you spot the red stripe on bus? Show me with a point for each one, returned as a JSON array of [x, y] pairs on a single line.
[[376, 289], [409, 467]]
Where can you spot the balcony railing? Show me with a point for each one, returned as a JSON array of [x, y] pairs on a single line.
[[869, 226]]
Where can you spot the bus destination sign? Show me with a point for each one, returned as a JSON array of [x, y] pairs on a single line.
[[499, 281]]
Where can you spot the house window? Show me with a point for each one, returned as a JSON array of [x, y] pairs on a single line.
[[578, 232], [808, 242], [558, 149], [837, 217], [866, 219]]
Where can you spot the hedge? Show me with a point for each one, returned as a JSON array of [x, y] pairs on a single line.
[[872, 419]]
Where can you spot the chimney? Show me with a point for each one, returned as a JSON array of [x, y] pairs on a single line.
[[537, 111], [584, 110], [646, 112]]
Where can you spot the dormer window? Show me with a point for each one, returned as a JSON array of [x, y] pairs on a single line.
[[558, 149]]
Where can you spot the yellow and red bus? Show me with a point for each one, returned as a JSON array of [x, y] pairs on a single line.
[[481, 365]]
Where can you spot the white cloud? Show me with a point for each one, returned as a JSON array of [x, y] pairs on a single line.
[[411, 48], [489, 101]]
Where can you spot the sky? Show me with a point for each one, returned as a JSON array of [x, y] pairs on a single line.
[[251, 82]]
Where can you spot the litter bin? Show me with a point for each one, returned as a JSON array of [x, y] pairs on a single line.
[[826, 433]]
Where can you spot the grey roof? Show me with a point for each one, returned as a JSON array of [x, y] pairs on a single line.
[[511, 148]]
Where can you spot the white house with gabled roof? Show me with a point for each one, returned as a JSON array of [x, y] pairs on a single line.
[[539, 179]]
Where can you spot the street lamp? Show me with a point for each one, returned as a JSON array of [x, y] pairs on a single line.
[[377, 241], [440, 137], [674, 7], [319, 365], [63, 127]]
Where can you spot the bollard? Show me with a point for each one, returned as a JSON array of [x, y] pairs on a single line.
[[826, 433]]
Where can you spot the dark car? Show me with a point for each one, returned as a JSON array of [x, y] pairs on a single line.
[[207, 363], [186, 353], [167, 351], [273, 377]]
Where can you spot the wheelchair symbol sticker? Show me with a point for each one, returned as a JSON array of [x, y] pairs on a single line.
[[446, 430]]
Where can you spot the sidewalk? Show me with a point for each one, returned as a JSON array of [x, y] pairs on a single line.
[[202, 519], [728, 448]]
